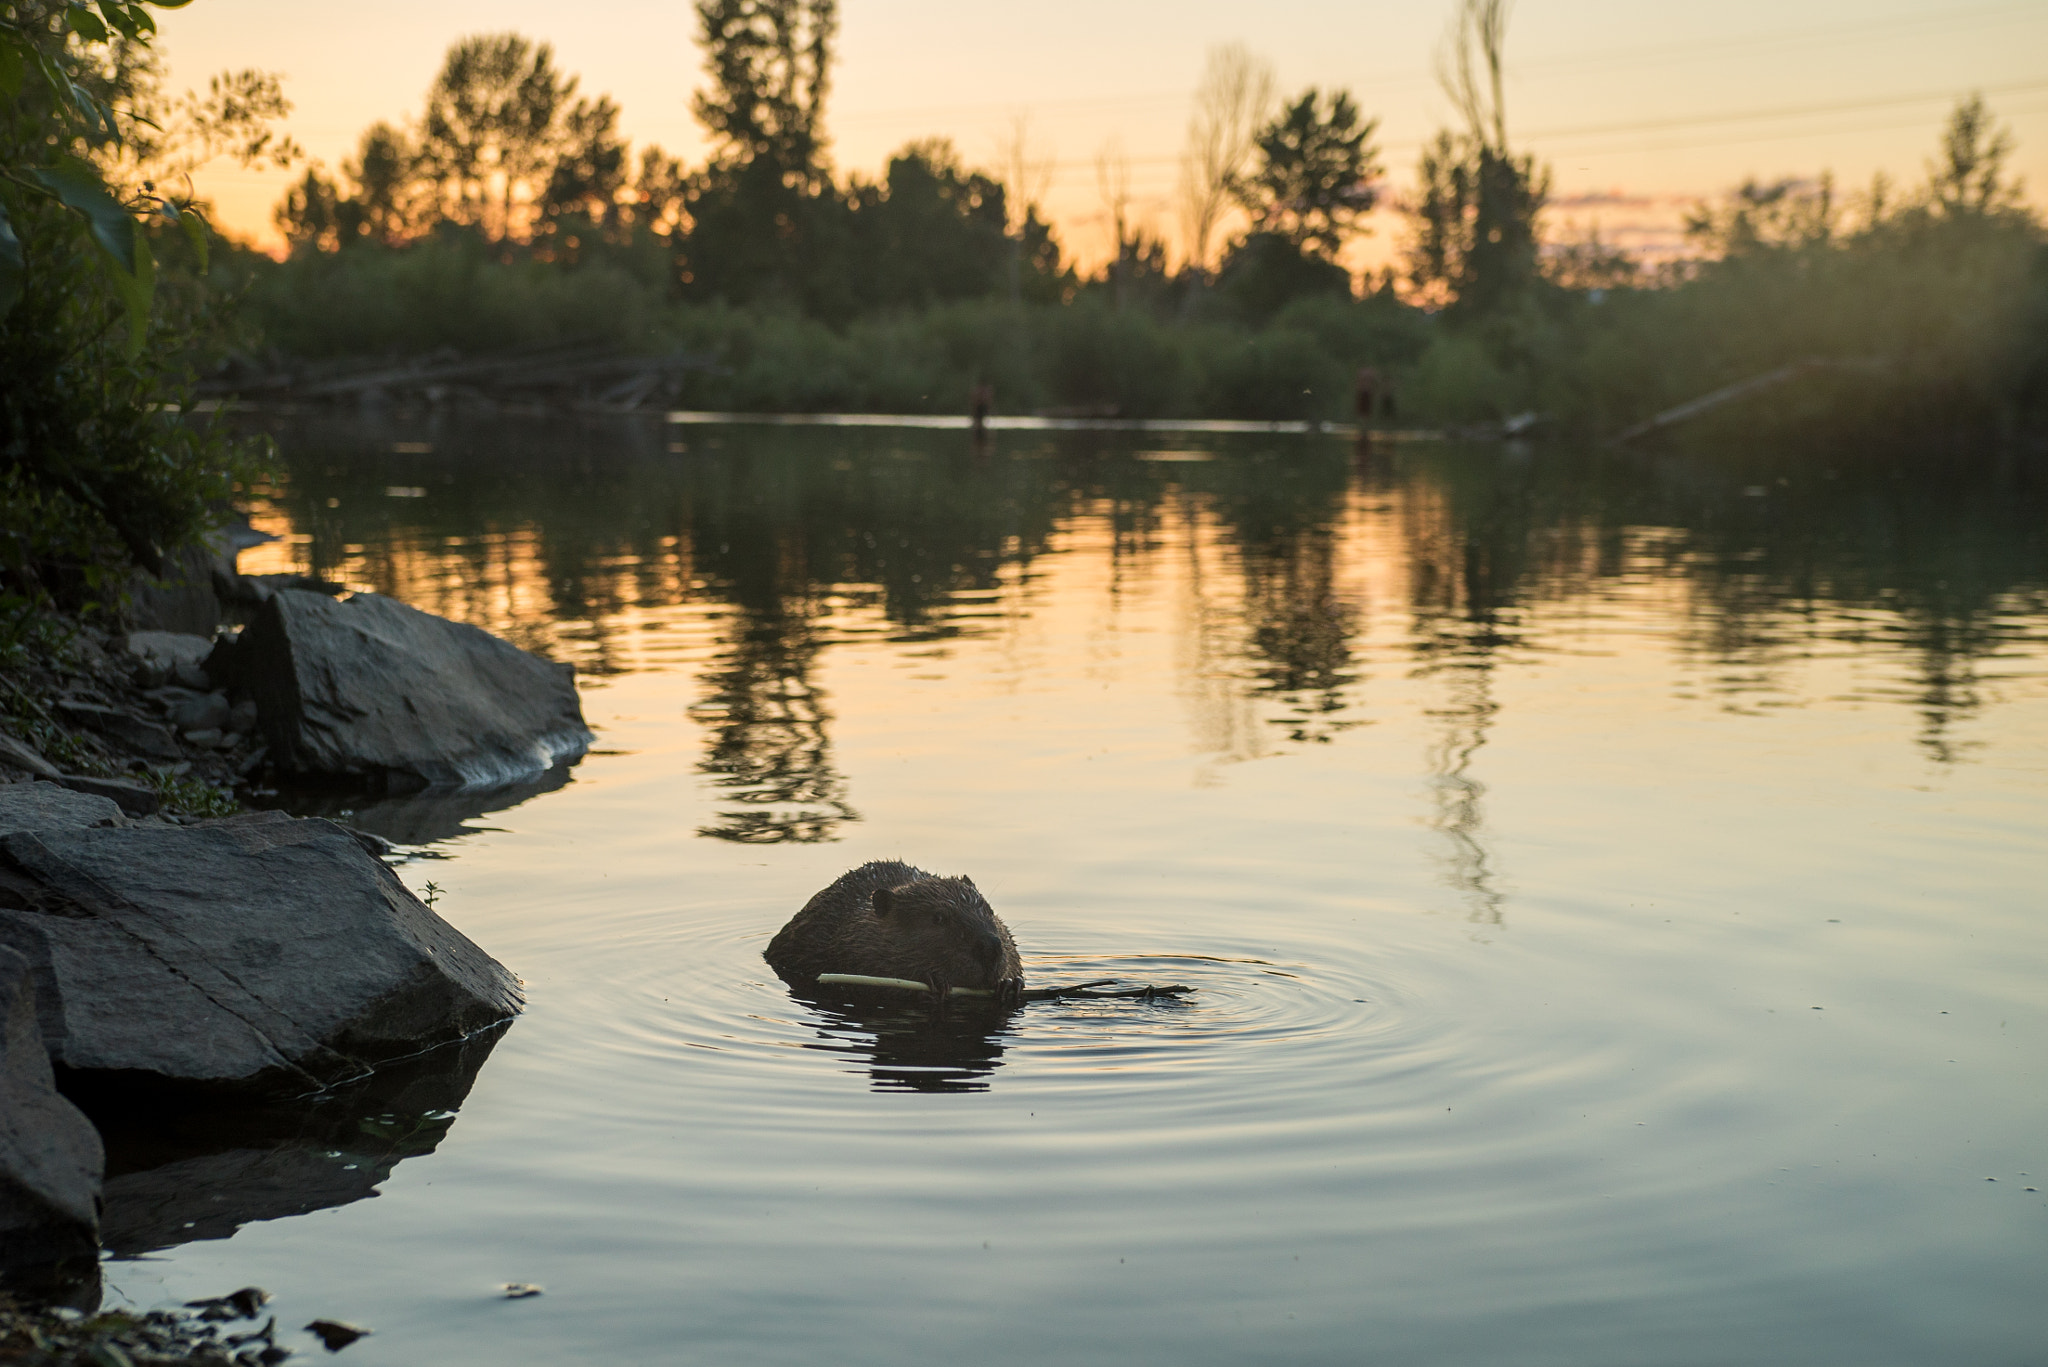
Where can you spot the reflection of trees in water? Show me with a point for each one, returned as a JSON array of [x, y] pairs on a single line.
[[1300, 631], [571, 539], [1464, 570], [770, 747], [1282, 518], [1933, 569]]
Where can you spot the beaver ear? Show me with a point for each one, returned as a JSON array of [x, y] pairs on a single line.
[[968, 881], [883, 901]]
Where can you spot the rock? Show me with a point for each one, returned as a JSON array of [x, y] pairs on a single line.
[[21, 755], [135, 799], [50, 1155], [182, 600], [370, 688], [143, 737], [255, 589], [170, 648], [171, 657], [208, 739], [51, 807], [190, 711], [258, 952]]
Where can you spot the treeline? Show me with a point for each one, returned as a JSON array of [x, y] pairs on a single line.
[[510, 214]]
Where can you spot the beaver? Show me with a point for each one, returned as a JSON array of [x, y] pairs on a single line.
[[889, 920]]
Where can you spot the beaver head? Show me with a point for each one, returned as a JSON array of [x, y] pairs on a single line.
[[943, 931]]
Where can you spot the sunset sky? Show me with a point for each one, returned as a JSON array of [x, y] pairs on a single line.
[[1640, 109]]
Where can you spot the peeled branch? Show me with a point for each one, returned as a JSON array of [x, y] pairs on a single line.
[[1033, 994]]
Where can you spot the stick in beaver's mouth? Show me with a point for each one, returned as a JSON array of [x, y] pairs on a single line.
[[1084, 991]]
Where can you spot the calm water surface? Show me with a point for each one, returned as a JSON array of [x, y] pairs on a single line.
[[1614, 890]]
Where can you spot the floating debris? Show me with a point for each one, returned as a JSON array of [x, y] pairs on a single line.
[[336, 1335]]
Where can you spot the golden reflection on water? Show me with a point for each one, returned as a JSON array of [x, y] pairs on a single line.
[[1295, 586]]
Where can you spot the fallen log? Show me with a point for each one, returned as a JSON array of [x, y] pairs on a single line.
[[1742, 389]]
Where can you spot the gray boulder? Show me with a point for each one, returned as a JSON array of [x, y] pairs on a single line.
[[372, 689], [49, 807], [50, 1155], [172, 655], [257, 953], [182, 600]]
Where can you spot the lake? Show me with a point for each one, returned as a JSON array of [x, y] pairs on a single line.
[[1612, 886]]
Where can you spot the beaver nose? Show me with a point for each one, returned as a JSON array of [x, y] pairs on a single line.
[[989, 953]]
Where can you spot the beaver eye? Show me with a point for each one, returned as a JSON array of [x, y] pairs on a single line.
[[938, 918]]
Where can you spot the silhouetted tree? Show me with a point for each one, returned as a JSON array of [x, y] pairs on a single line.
[[762, 212], [1230, 108], [1314, 175], [589, 170], [1476, 203], [491, 126]]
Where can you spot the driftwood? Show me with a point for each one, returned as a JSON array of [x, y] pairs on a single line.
[[580, 377], [1742, 389], [1083, 991]]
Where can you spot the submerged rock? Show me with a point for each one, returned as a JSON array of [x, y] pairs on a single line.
[[255, 953], [372, 689], [179, 1174], [50, 1155]]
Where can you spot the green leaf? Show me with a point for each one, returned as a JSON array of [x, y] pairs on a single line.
[[124, 17], [86, 24], [135, 287], [195, 233], [11, 263], [13, 65], [78, 186]]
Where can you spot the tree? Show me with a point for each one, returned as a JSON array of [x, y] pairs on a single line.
[[1766, 216], [770, 63], [382, 198], [1477, 204], [763, 212], [1314, 176], [590, 168], [932, 230], [1024, 177], [1231, 103], [95, 474], [1969, 176], [488, 136]]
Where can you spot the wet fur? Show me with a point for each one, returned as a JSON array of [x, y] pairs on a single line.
[[889, 920]]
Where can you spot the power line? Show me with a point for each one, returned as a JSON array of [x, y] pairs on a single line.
[[1686, 51]]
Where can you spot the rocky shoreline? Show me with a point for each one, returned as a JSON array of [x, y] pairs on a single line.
[[202, 1001]]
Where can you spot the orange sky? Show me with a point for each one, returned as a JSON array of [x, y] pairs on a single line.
[[1639, 108]]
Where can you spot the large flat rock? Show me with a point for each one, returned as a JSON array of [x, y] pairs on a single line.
[[372, 689], [50, 1155], [258, 953]]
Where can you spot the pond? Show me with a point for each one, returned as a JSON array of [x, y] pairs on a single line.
[[1612, 887]]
